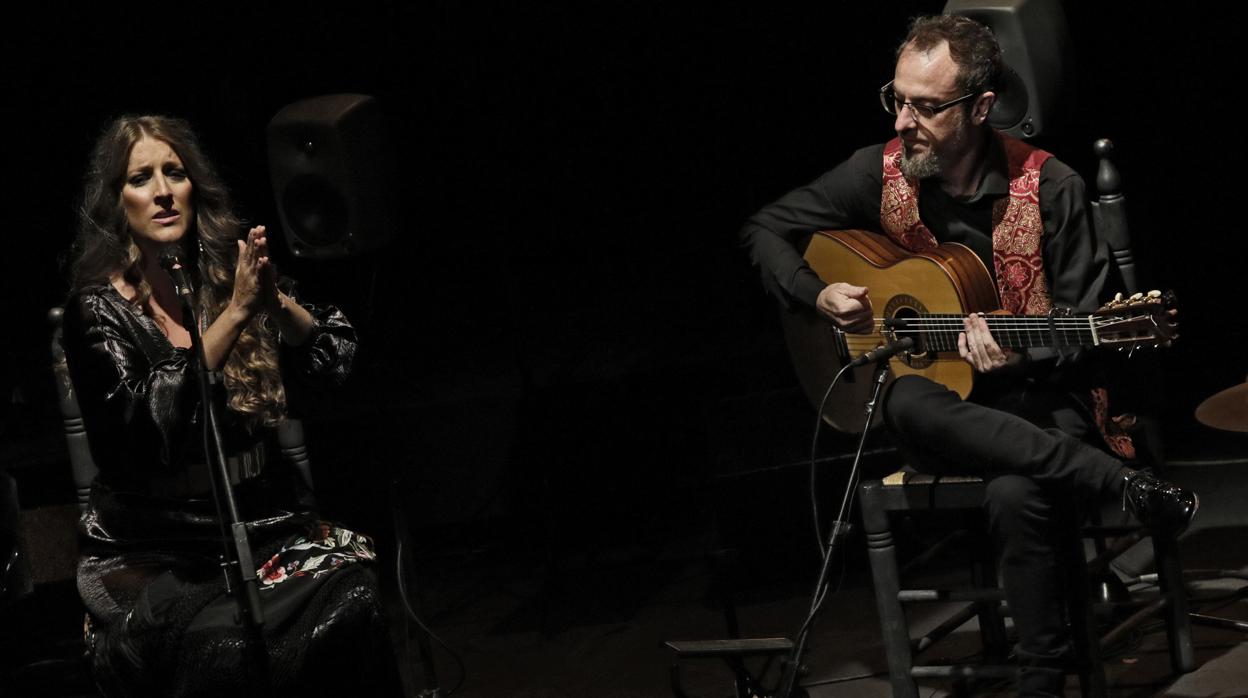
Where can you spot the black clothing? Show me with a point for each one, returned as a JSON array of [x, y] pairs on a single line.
[[848, 196], [138, 392], [1031, 437], [149, 572], [1042, 458]]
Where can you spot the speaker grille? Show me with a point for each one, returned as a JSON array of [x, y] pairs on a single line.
[[316, 211]]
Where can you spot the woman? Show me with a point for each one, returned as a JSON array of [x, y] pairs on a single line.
[[159, 622]]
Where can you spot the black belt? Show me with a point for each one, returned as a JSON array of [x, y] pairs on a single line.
[[196, 478]]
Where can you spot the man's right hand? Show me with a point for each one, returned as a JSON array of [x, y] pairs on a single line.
[[848, 306]]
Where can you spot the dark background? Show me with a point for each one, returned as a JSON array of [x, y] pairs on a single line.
[[564, 342]]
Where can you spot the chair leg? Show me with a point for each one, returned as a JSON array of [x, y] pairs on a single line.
[[1085, 639], [1178, 622], [883, 557], [991, 621]]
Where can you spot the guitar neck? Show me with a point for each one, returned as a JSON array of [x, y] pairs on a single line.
[[939, 332]]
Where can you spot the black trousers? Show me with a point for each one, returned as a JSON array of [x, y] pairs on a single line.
[[1040, 452]]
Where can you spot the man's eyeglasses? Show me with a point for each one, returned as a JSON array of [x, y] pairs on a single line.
[[923, 112]]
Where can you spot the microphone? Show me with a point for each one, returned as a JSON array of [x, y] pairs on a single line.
[[171, 261], [885, 352]]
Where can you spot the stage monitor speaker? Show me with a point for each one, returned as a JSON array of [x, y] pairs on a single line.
[[1035, 44], [332, 170]]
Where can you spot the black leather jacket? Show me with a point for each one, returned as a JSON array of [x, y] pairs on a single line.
[[140, 406]]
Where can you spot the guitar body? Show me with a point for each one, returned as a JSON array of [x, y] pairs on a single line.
[[946, 279]]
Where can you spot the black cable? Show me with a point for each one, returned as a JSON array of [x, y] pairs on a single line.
[[814, 447], [840, 580], [822, 596], [15, 556], [1213, 604], [459, 661], [847, 500], [1131, 642]]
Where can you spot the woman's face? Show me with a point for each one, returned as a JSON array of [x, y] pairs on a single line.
[[157, 194]]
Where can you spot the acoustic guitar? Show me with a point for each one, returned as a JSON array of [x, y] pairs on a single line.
[[925, 296]]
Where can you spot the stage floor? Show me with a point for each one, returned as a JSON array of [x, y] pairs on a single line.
[[594, 623], [590, 620]]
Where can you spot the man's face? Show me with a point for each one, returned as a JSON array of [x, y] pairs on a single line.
[[930, 145]]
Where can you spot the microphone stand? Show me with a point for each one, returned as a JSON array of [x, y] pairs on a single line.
[[237, 562], [840, 528], [410, 598]]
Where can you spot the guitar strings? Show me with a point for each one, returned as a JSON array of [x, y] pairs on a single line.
[[1026, 320], [1036, 322], [940, 329]]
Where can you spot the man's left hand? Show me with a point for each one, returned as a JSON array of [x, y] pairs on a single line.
[[977, 347]]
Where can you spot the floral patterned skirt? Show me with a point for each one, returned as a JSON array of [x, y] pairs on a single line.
[[309, 557], [322, 609]]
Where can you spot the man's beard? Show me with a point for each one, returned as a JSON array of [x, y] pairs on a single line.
[[932, 163], [921, 166]]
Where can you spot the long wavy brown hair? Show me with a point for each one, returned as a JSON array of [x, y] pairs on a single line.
[[104, 249]]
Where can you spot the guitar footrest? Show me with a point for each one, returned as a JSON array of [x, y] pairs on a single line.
[[754, 647]]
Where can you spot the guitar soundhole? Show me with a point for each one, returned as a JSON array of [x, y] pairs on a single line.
[[904, 307]]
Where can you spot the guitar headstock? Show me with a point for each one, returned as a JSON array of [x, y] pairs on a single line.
[[1144, 319]]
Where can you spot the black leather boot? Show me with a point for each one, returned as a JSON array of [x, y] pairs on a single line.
[[1160, 505]]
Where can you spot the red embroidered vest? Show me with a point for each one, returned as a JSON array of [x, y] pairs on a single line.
[[1017, 233], [1017, 230]]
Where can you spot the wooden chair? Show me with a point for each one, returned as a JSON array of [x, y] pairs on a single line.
[[910, 492]]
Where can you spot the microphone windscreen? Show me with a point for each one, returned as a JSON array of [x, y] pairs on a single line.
[[172, 254]]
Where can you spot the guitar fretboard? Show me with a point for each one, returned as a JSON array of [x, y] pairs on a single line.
[[939, 332]]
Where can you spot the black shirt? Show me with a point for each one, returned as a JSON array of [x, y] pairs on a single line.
[[848, 197]]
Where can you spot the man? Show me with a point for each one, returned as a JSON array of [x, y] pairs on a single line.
[[948, 177]]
